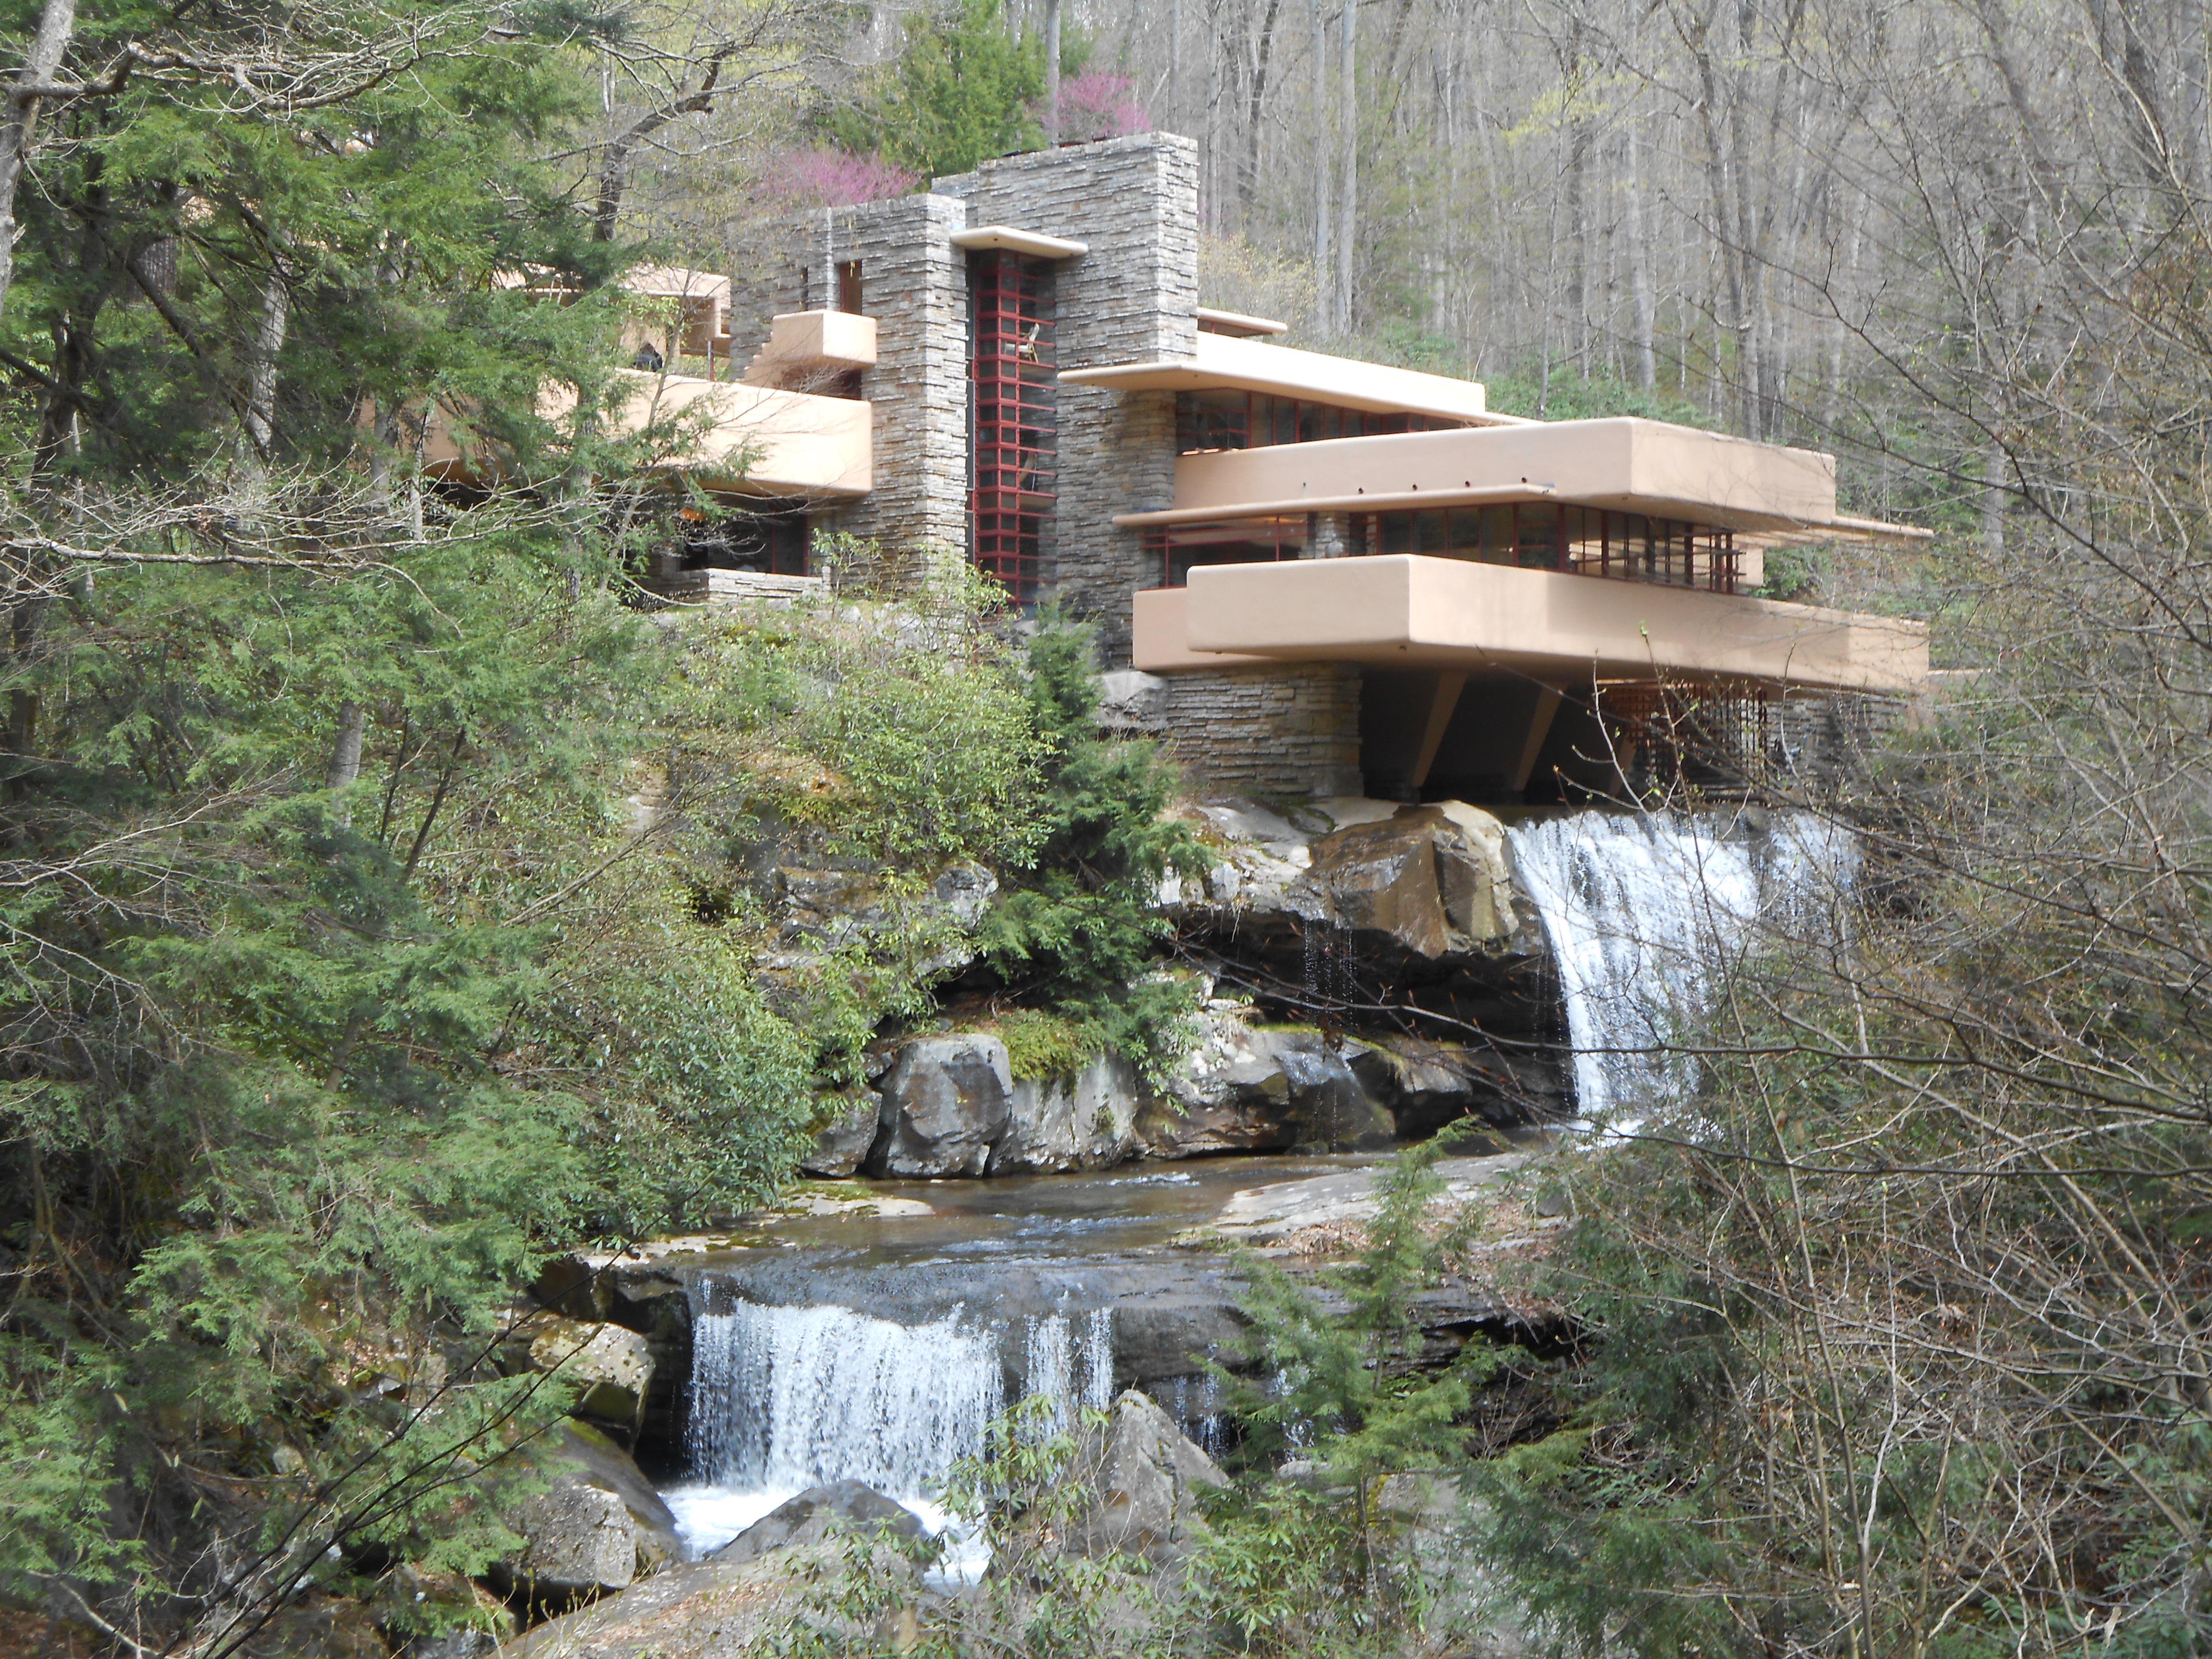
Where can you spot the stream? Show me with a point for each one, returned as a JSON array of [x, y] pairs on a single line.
[[878, 1346]]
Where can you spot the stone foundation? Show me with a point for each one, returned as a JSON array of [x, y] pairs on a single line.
[[1290, 732]]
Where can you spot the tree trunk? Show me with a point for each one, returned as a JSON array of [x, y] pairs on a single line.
[[56, 24], [345, 758], [1347, 234], [259, 418], [1248, 186], [1051, 71], [1323, 301], [1639, 273]]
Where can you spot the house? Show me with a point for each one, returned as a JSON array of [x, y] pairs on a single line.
[[1317, 576]]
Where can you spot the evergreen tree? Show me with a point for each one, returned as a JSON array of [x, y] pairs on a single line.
[[1079, 921], [958, 93]]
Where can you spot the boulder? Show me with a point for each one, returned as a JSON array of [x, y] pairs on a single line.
[[611, 1367], [945, 1104], [1130, 700], [1145, 1487], [1429, 1085], [1426, 884], [1429, 881], [1085, 1122], [843, 1142], [842, 1506], [598, 1527], [1255, 1088], [717, 1610]]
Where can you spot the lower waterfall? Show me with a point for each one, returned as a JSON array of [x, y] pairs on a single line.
[[783, 1398], [1645, 912]]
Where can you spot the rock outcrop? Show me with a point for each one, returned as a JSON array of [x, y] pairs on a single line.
[[1245, 1088], [946, 1101], [611, 1367], [598, 1527], [1408, 884], [817, 1514], [1145, 1487], [843, 1142], [702, 1610], [1085, 1122]]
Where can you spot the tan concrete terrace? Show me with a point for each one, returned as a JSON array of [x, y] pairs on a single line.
[[740, 439], [1626, 465], [1404, 611]]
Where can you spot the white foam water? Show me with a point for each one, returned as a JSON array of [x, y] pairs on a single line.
[[1646, 914], [785, 1398]]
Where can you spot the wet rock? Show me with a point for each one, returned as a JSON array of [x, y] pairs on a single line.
[[1244, 1088], [844, 1144], [1085, 1122], [842, 1506], [1430, 1085], [611, 1367], [598, 1527], [945, 1104], [1275, 1214], [704, 1610], [1146, 1481]]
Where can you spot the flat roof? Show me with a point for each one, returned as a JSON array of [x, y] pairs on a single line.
[[1619, 464], [1223, 363], [1034, 243], [1238, 323]]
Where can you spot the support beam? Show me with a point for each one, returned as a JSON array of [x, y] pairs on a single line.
[[1448, 686], [1540, 727]]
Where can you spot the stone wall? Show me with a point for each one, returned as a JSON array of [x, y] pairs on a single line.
[[1132, 298], [1287, 733]]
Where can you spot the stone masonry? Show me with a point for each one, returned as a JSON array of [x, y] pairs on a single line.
[[1273, 733], [1132, 298]]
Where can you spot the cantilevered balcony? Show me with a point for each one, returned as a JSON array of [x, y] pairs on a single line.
[[1461, 617]]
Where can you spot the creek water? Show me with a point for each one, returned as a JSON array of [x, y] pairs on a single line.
[[877, 1347]]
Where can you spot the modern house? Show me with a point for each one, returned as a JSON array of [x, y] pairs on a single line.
[[1320, 576]]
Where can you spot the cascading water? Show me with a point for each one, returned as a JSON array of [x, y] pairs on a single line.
[[783, 1398], [1645, 912]]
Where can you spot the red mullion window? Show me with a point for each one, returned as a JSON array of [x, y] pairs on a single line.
[[1016, 443]]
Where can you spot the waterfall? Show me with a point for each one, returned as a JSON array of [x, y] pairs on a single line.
[[784, 1398], [1645, 912]]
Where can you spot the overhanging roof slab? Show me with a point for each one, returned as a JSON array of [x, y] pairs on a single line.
[[1625, 464], [1403, 611], [1223, 363]]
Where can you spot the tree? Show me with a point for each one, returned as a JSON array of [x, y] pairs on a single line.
[[958, 93], [1079, 922]]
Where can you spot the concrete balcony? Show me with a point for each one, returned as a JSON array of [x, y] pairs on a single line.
[[1562, 630], [805, 346], [725, 435]]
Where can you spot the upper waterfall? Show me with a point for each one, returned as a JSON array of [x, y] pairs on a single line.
[[1646, 914]]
